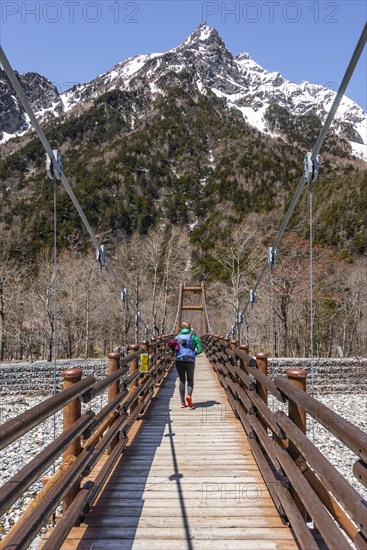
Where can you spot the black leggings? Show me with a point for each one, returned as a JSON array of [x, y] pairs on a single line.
[[185, 371]]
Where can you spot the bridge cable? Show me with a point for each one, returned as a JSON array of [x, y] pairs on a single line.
[[101, 258], [55, 300], [56, 163], [312, 365], [205, 309], [207, 318], [252, 346], [271, 260], [173, 331], [313, 156]]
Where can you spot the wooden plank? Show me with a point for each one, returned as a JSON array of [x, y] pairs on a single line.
[[244, 489], [172, 522], [190, 503], [199, 469], [181, 532], [154, 479], [176, 511], [159, 544]]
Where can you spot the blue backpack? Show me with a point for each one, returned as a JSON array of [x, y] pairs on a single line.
[[186, 350]]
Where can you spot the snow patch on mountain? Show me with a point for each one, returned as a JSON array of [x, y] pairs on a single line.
[[359, 150]]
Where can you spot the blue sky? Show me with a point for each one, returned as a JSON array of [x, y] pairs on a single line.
[[72, 41]]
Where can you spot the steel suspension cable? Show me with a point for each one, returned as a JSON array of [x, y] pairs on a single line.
[[272, 328], [320, 140], [55, 297], [252, 329], [206, 315], [101, 315], [46, 145], [207, 319], [176, 319], [311, 308]]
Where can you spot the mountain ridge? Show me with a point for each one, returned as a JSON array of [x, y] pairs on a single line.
[[238, 80]]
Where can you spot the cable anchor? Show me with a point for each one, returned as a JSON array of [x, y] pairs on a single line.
[[311, 168], [54, 167], [101, 255]]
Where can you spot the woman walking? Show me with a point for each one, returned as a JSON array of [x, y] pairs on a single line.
[[189, 346]]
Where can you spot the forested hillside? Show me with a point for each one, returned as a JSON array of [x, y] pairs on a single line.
[[179, 188]]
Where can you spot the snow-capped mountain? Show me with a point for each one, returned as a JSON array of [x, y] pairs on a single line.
[[201, 61]]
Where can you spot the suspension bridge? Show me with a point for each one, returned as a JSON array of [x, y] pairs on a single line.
[[235, 472], [144, 473]]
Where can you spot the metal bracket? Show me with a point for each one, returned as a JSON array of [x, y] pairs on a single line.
[[252, 298], [124, 295], [101, 255], [272, 255], [54, 168], [311, 168]]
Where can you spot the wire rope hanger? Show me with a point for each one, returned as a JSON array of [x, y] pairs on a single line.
[[53, 171], [311, 173]]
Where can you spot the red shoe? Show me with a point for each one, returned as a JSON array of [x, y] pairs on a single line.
[[189, 402], [183, 405]]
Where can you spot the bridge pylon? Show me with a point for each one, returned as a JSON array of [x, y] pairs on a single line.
[[182, 306]]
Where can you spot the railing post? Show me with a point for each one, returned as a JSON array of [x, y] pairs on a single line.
[[159, 347], [297, 377], [243, 347], [233, 345], [134, 365], [225, 343], [262, 365], [72, 412], [145, 346], [114, 388], [154, 352]]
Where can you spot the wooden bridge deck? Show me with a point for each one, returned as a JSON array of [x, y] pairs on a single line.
[[188, 481]]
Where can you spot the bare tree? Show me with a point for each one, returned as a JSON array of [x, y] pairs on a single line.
[[41, 296], [13, 285], [240, 260]]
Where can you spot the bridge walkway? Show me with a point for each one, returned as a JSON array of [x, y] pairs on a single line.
[[187, 480]]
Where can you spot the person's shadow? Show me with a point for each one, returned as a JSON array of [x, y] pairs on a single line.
[[115, 517], [206, 404]]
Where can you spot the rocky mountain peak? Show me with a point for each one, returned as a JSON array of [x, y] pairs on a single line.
[[203, 34], [205, 43], [41, 94]]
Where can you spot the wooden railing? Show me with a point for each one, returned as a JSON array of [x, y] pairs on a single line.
[[83, 441], [302, 482]]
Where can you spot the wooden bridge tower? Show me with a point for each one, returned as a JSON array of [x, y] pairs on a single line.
[[182, 306]]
